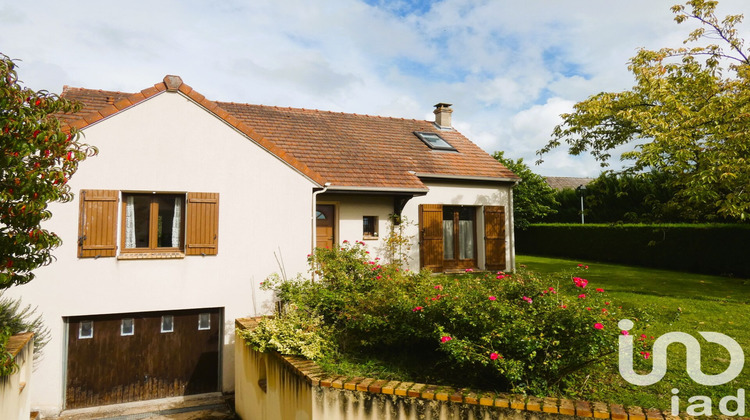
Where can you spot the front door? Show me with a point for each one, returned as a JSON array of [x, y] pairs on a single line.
[[127, 357], [324, 225]]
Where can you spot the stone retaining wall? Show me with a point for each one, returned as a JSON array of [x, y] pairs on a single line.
[[274, 386]]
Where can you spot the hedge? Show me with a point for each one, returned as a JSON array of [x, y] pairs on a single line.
[[720, 249]]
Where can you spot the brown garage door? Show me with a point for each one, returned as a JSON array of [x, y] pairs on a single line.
[[126, 357]]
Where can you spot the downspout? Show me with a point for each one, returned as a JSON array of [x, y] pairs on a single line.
[[314, 220], [512, 239]]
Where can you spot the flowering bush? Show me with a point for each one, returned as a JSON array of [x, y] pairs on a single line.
[[292, 332], [518, 332]]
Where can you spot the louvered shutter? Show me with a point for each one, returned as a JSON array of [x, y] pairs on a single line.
[[97, 228], [202, 226], [431, 236], [494, 237]]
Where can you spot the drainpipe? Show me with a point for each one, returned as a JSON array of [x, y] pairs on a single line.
[[314, 219], [512, 239]]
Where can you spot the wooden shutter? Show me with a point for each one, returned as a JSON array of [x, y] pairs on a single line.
[[97, 228], [431, 236], [494, 237], [202, 227]]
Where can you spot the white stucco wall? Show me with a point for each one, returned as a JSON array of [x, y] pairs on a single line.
[[351, 208], [467, 194], [168, 143]]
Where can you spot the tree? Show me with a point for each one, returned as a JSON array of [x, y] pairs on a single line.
[[533, 198], [689, 109], [632, 198], [38, 158]]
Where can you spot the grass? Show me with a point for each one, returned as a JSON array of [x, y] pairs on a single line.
[[677, 302], [671, 301]]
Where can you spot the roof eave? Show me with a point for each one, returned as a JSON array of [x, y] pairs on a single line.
[[468, 178], [377, 190]]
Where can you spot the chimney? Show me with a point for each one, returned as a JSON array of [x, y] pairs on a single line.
[[443, 115]]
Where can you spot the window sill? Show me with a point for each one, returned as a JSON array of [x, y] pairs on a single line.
[[151, 256], [370, 238]]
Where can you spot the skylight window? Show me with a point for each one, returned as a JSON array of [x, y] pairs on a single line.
[[434, 141]]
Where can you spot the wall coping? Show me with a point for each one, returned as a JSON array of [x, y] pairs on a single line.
[[314, 375], [17, 342]]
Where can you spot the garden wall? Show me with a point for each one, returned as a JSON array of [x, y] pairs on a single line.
[[270, 386], [710, 249], [14, 389]]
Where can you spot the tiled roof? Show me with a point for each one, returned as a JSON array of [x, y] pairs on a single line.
[[562, 182], [347, 150]]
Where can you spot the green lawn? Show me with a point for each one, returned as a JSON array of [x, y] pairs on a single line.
[[675, 301]]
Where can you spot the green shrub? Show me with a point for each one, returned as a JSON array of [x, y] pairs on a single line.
[[517, 332], [706, 248], [8, 365], [16, 319], [293, 332]]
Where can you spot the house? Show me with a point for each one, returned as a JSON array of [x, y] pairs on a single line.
[[191, 204], [563, 182]]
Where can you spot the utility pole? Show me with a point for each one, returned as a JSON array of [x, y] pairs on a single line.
[[582, 191]]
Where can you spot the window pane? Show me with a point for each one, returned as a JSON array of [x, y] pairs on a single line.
[[169, 228], [127, 326], [448, 253], [86, 329], [369, 224], [204, 321], [466, 239], [137, 215], [167, 323]]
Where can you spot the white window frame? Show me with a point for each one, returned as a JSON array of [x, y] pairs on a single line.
[[171, 323], [208, 318], [80, 330], [132, 327]]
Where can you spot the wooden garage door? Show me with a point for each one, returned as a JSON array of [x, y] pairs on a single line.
[[119, 358]]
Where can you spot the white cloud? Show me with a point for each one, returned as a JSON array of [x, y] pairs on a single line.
[[508, 67]]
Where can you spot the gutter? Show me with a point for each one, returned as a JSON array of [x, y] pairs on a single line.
[[314, 219], [512, 238], [467, 177], [382, 190]]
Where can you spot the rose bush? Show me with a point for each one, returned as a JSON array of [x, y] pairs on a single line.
[[521, 332]]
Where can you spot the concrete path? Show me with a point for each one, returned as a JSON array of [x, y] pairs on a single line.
[[213, 406]]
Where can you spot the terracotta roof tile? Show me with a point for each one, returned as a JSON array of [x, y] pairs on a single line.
[[347, 150]]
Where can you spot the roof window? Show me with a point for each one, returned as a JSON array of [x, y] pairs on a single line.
[[434, 141]]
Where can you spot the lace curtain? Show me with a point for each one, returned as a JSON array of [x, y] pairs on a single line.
[[177, 222], [466, 239], [130, 222]]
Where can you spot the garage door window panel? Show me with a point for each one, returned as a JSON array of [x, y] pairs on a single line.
[[167, 323], [86, 329], [127, 326]]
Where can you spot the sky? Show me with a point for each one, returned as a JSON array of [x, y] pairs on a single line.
[[510, 68]]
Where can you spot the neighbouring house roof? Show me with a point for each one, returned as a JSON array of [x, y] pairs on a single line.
[[346, 150], [562, 182]]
